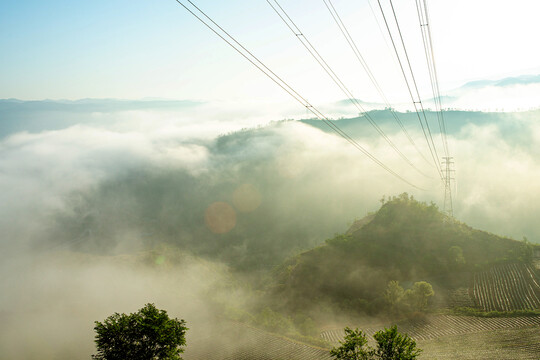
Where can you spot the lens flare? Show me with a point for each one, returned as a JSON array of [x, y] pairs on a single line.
[[160, 260], [220, 218]]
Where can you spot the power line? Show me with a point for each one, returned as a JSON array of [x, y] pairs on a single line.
[[379, 27], [286, 87], [423, 25], [413, 78], [431, 145], [425, 28], [335, 78], [427, 40], [352, 44]]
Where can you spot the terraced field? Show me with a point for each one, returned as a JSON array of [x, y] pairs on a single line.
[[440, 336], [497, 344], [465, 337], [458, 298], [507, 287], [437, 326], [234, 341], [503, 288]]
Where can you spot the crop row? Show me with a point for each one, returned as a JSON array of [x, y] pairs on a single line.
[[436, 326], [495, 344], [501, 338], [240, 342], [507, 287], [459, 298]]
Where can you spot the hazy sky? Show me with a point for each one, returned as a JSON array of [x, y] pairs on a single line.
[[136, 49], [61, 159]]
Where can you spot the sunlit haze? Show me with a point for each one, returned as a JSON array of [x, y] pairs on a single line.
[[271, 204], [138, 49]]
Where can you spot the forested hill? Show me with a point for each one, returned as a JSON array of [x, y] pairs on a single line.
[[404, 240], [513, 125]]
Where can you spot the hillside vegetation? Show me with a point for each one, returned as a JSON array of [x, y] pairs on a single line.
[[405, 240], [272, 191]]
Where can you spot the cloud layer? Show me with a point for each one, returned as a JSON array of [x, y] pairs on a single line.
[[84, 204]]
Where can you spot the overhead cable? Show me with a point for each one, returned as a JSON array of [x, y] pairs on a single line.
[[231, 41], [335, 78], [352, 44], [425, 28], [427, 135], [427, 40]]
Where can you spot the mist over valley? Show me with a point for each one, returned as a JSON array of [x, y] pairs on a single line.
[[106, 210]]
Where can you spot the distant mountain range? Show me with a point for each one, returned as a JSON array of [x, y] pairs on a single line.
[[509, 81], [42, 115], [39, 115], [95, 105], [453, 98]]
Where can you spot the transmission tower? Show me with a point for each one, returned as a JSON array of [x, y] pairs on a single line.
[[447, 173]]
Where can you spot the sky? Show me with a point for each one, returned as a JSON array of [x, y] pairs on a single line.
[[142, 49], [59, 165]]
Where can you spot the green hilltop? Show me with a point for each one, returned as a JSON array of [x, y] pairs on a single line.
[[405, 240]]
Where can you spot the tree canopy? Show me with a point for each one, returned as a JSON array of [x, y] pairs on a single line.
[[353, 347], [148, 334], [419, 295], [391, 345]]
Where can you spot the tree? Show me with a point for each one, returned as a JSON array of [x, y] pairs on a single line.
[[353, 347], [419, 295], [148, 334], [391, 345], [393, 295]]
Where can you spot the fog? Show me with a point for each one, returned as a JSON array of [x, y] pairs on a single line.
[[50, 302], [139, 206]]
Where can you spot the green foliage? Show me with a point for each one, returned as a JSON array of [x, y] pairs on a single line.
[[418, 296], [393, 295], [391, 345], [169, 205], [305, 325], [467, 311], [353, 347], [455, 257], [148, 334], [237, 314], [274, 321], [404, 241], [399, 301], [300, 327]]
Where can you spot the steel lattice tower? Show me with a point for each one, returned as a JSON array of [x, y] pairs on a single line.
[[447, 173]]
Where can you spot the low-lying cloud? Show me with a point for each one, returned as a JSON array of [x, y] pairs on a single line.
[[85, 206]]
